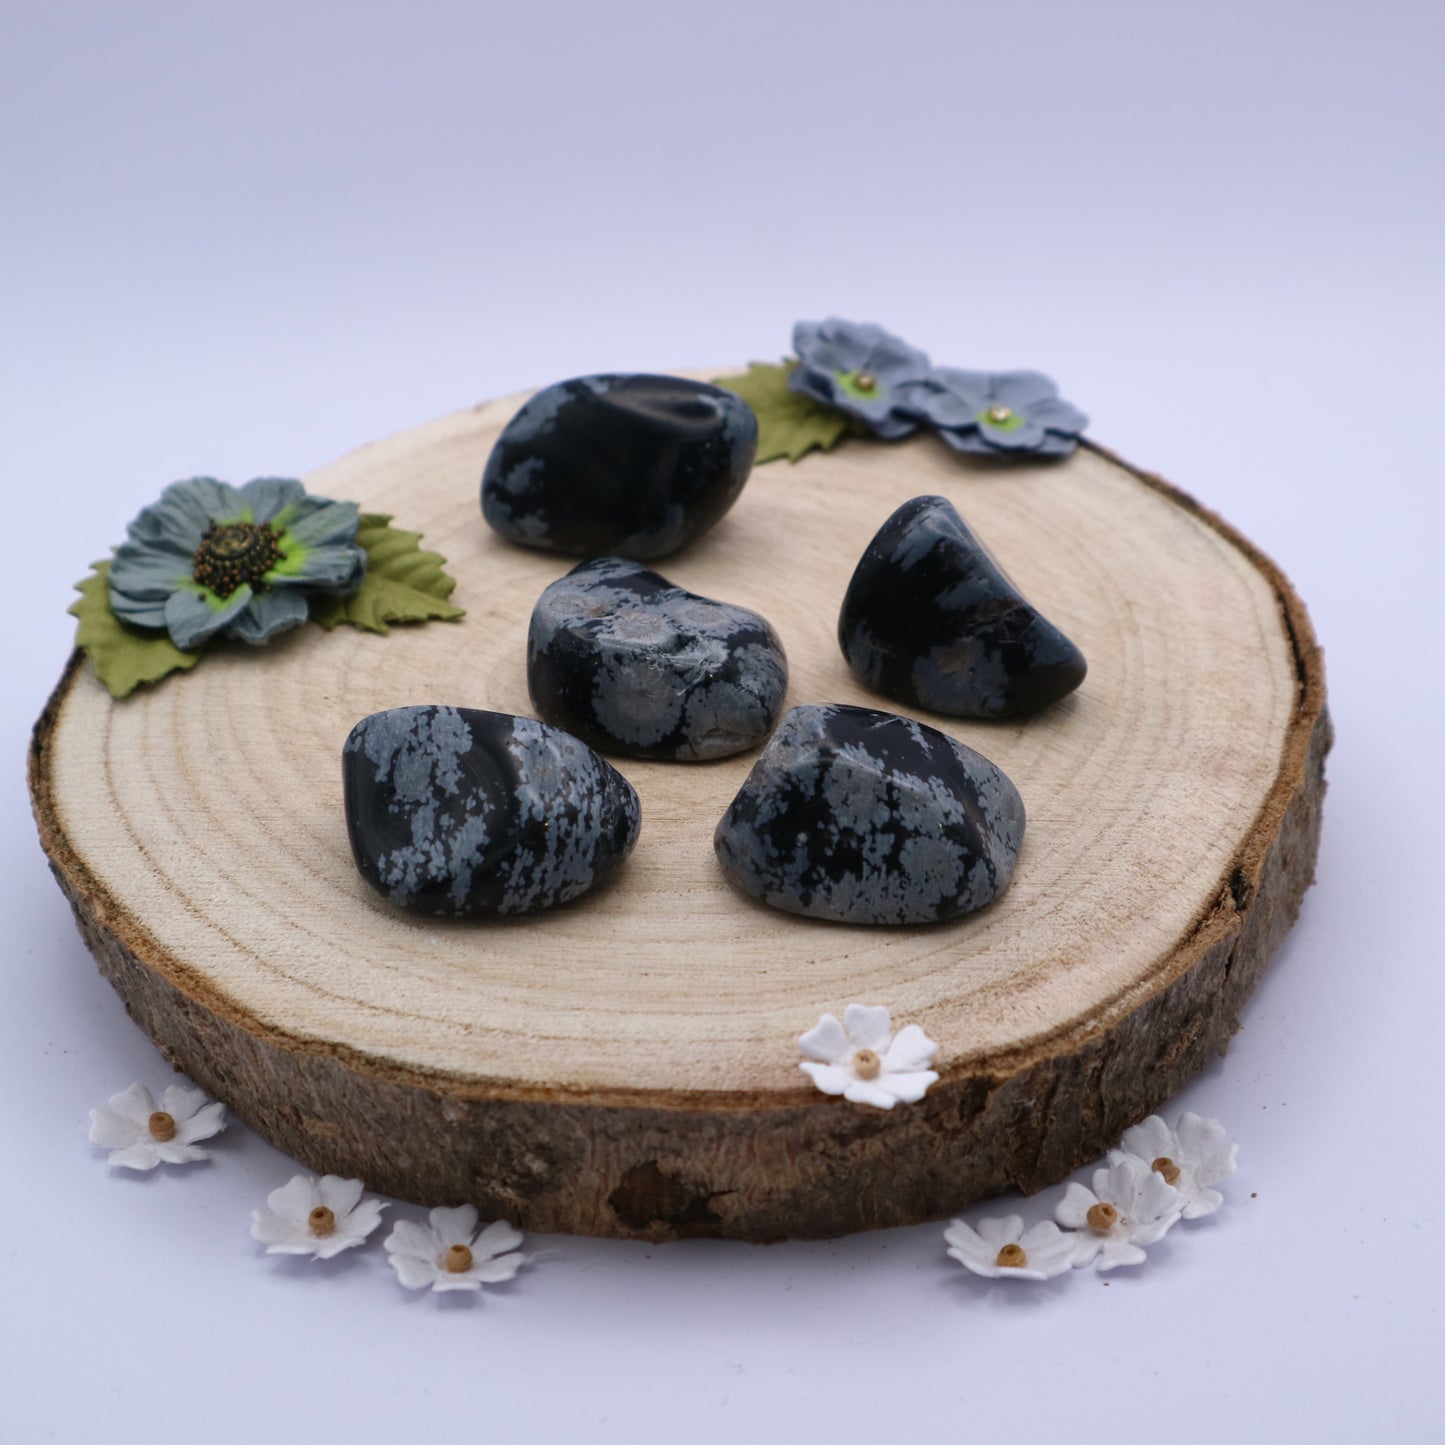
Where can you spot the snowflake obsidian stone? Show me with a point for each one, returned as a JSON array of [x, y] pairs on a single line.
[[634, 665], [931, 621], [456, 811], [866, 817], [636, 466]]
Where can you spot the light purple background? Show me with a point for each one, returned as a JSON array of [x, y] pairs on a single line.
[[243, 239]]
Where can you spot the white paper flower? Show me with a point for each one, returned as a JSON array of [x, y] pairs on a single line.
[[1130, 1206], [1004, 1249], [861, 1059], [1199, 1153], [141, 1133], [448, 1253], [319, 1217]]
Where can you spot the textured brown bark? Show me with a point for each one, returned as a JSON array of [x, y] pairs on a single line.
[[742, 1166]]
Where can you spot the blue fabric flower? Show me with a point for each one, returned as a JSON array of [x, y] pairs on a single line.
[[990, 412], [211, 559], [858, 369]]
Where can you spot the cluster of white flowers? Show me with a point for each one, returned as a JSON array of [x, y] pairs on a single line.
[[1156, 1177], [321, 1217], [309, 1216]]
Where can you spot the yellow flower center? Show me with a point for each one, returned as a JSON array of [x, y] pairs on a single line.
[[162, 1127], [1012, 1256], [1167, 1167], [867, 1064], [1102, 1218], [456, 1260], [865, 381], [999, 414], [322, 1221]]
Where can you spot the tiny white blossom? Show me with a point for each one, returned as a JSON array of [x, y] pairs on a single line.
[[1004, 1249], [861, 1059], [141, 1133], [1130, 1206], [319, 1217], [448, 1253], [1199, 1153]]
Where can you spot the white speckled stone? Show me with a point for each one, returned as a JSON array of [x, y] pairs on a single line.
[[866, 817], [457, 811], [634, 665]]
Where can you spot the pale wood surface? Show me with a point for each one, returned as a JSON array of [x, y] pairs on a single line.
[[198, 826]]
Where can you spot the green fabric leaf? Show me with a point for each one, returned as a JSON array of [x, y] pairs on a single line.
[[403, 582], [789, 424], [123, 657]]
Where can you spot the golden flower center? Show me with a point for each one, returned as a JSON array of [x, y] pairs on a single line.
[[162, 1127], [867, 1064], [999, 414], [322, 1221], [456, 1260], [865, 381], [1167, 1167], [1012, 1256], [233, 554], [1102, 1217]]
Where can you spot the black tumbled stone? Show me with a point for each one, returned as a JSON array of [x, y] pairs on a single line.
[[932, 621], [635, 466], [635, 665], [866, 817], [456, 811]]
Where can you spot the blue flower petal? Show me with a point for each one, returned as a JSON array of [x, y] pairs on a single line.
[[165, 529], [818, 348], [325, 569], [1022, 390], [837, 345], [268, 497], [893, 425], [161, 529], [813, 382], [966, 439], [974, 387], [887, 355], [881, 416], [190, 619], [320, 523], [977, 441], [1058, 416], [185, 510], [1055, 444], [942, 405], [1026, 438], [203, 500], [147, 573], [267, 614], [138, 613]]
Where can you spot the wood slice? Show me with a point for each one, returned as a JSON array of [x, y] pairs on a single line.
[[628, 1065]]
